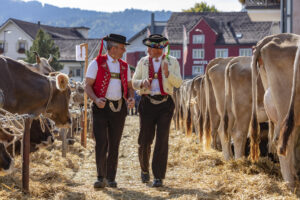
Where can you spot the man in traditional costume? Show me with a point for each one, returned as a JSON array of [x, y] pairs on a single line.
[[155, 77], [108, 84]]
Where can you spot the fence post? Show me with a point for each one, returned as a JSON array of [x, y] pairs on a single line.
[[84, 132], [64, 142], [26, 151]]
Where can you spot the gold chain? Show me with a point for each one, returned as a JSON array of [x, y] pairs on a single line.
[[112, 107]]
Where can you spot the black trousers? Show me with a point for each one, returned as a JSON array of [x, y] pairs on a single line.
[[108, 127], [154, 120]]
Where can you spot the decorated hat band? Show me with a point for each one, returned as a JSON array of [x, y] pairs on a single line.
[[159, 45]]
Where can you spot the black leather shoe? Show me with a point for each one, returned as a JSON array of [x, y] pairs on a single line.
[[157, 182], [111, 183], [145, 177], [100, 183]]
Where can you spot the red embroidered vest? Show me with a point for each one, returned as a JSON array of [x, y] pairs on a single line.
[[159, 75], [103, 77]]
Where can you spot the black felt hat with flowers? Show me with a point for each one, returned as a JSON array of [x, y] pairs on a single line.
[[156, 41]]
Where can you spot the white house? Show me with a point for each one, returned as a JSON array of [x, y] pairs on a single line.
[[16, 36]]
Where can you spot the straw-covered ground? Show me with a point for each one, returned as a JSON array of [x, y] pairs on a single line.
[[192, 174]]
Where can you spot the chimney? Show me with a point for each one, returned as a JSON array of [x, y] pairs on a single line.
[[152, 23], [39, 24]]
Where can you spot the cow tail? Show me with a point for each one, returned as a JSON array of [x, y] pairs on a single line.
[[254, 126], [189, 123], [227, 100], [207, 121], [289, 121], [201, 112], [189, 114]]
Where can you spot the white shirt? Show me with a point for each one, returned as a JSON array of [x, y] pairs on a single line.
[[114, 90], [155, 90]]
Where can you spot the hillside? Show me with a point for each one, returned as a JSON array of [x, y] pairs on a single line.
[[127, 22]]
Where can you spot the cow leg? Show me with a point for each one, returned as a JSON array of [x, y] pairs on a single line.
[[287, 163], [188, 123], [215, 138], [226, 137], [271, 139], [239, 139], [181, 116], [226, 147], [196, 123]]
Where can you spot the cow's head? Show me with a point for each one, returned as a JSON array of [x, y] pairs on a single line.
[[78, 95], [58, 108], [39, 137], [42, 65], [6, 162]]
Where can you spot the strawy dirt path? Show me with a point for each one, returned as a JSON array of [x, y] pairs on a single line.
[[192, 174]]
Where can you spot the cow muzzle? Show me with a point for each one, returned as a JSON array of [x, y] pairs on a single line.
[[9, 169], [50, 140]]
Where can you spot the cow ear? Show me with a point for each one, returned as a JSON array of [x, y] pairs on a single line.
[[50, 58], [62, 81], [37, 57]]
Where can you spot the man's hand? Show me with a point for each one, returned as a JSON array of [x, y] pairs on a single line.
[[130, 102], [146, 84], [166, 70], [100, 102]]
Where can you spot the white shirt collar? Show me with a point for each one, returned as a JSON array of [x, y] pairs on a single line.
[[110, 59], [159, 58]]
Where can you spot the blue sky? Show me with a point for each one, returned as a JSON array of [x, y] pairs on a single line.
[[153, 5]]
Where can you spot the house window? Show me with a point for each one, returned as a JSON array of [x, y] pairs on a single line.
[[198, 69], [75, 72], [21, 47], [1, 47], [198, 39], [221, 53], [245, 52], [175, 53], [198, 53]]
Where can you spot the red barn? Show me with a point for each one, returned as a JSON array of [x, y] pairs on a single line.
[[209, 35]]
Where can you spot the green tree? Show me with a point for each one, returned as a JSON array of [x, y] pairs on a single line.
[[44, 46], [202, 7], [242, 1]]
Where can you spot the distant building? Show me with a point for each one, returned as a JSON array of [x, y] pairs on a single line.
[[136, 49], [16, 36], [263, 10], [211, 35], [287, 12]]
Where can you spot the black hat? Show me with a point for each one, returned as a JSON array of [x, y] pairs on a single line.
[[116, 38], [156, 41]]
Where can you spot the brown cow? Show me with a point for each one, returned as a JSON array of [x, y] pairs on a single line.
[[28, 92], [197, 105], [238, 102], [274, 56], [39, 138], [42, 65], [212, 118], [6, 162], [216, 76], [184, 107]]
